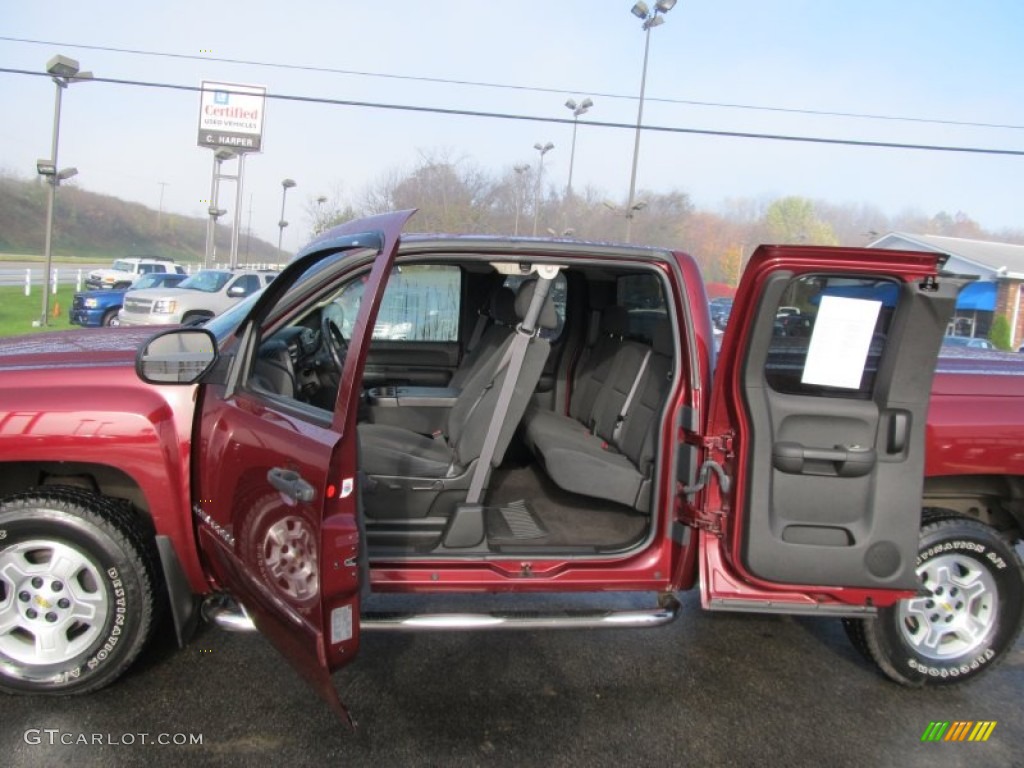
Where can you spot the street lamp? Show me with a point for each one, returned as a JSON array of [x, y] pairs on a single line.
[[543, 149], [285, 186], [650, 20], [520, 170], [577, 110], [63, 71]]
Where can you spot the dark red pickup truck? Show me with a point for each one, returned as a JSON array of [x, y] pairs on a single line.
[[442, 414]]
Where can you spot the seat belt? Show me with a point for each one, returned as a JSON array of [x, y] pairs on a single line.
[[514, 355], [620, 420], [478, 331]]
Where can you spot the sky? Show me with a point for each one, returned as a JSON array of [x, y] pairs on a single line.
[[743, 66]]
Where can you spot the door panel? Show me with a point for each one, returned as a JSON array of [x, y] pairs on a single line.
[[276, 488], [412, 363], [829, 415]]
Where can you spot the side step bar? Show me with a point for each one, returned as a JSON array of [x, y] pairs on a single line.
[[429, 622], [231, 616]]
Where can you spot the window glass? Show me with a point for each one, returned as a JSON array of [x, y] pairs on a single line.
[[642, 298], [248, 283], [557, 295], [828, 335], [420, 303]]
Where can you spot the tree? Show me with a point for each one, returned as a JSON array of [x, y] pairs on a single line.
[[793, 220], [999, 333]]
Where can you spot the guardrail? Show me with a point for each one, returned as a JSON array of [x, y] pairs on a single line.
[[33, 278]]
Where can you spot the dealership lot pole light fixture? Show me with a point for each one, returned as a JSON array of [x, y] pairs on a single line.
[[651, 19], [577, 110], [543, 149], [63, 71], [281, 224], [520, 170]]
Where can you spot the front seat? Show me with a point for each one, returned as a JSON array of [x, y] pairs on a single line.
[[413, 475]]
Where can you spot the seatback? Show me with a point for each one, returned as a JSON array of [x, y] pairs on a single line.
[[637, 436], [598, 365], [500, 326], [471, 415], [626, 367]]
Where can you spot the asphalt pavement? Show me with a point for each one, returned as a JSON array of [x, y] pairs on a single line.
[[711, 689]]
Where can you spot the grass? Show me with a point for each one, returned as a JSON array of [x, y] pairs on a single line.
[[18, 311]]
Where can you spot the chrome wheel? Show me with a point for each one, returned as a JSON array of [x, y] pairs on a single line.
[[289, 557], [960, 615], [53, 604]]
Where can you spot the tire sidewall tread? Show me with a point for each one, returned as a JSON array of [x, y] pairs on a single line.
[[882, 637], [111, 535]]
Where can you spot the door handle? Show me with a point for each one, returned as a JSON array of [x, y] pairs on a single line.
[[839, 461], [899, 432], [290, 483]]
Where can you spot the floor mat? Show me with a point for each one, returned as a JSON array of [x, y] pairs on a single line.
[[567, 519]]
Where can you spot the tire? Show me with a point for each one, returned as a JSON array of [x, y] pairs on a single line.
[[76, 574], [967, 622], [108, 317]]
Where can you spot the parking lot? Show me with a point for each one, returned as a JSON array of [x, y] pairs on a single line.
[[710, 689]]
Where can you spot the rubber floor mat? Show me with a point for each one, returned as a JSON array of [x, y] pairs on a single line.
[[515, 521]]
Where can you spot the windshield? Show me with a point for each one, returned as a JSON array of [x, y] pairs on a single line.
[[208, 280], [148, 281], [123, 266]]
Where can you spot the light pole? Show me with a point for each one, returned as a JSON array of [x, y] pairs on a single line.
[[543, 149], [650, 19], [285, 186], [63, 71], [577, 110], [520, 170]]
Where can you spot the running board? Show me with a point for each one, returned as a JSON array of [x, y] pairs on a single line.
[[432, 622], [741, 605], [231, 616]]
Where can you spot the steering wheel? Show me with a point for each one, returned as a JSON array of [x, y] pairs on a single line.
[[331, 319]]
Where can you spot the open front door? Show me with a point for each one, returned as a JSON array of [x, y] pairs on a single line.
[[276, 468], [818, 416]]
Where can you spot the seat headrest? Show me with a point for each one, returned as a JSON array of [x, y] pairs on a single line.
[[615, 321], [662, 341], [503, 306], [524, 297]]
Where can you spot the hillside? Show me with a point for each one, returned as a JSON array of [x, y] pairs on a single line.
[[101, 227]]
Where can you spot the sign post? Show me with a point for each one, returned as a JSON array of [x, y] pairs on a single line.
[[230, 119]]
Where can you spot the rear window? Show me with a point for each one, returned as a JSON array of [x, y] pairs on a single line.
[[644, 301]]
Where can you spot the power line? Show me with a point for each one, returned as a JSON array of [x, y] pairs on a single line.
[[510, 86], [561, 120]]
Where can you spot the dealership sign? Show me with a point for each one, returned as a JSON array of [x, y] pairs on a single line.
[[231, 116]]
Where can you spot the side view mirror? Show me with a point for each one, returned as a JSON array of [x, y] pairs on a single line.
[[237, 292], [178, 356]]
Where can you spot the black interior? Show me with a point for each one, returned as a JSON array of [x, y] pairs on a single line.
[[523, 510]]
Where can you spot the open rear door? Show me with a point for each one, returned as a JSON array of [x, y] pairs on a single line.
[[276, 496], [818, 419]]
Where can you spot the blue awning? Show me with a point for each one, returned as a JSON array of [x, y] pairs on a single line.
[[978, 296]]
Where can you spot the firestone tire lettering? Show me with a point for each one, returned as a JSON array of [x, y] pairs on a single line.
[[967, 622], [105, 613]]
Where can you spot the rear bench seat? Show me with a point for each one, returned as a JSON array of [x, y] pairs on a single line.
[[609, 451]]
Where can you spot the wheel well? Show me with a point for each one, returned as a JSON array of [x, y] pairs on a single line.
[[101, 479], [996, 500]]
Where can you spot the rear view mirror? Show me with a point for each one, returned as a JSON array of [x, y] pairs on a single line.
[[178, 356]]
